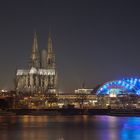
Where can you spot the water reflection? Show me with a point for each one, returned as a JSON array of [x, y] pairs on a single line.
[[131, 129], [69, 128]]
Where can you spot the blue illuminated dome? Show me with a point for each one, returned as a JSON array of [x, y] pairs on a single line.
[[123, 86]]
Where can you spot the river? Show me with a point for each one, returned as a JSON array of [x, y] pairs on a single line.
[[69, 128]]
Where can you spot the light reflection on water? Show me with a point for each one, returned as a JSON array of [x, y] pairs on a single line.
[[69, 128]]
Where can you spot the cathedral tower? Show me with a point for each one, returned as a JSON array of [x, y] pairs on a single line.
[[35, 56], [51, 66], [50, 54]]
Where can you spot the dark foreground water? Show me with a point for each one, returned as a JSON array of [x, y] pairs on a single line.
[[69, 128]]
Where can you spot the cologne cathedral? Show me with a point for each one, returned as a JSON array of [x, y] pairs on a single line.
[[41, 75]]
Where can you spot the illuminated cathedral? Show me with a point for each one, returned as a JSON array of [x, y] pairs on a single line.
[[41, 75]]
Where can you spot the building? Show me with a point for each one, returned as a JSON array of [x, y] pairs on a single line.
[[122, 86], [122, 93], [83, 91], [41, 75]]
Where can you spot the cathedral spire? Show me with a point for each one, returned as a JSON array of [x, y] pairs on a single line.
[[35, 59], [49, 50], [50, 54]]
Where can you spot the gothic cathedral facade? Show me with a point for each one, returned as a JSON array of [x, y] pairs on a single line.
[[41, 75]]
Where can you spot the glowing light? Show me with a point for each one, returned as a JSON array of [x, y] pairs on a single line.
[[119, 82], [127, 85], [33, 70], [112, 95]]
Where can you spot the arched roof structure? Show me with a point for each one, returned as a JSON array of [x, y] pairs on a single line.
[[123, 86]]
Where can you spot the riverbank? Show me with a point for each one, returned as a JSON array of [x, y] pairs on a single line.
[[75, 111]]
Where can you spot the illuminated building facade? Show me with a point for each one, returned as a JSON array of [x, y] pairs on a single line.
[[123, 86], [41, 76], [123, 93], [83, 91]]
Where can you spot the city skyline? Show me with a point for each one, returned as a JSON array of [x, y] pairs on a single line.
[[94, 42]]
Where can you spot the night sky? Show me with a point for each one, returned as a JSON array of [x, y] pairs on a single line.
[[94, 41]]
